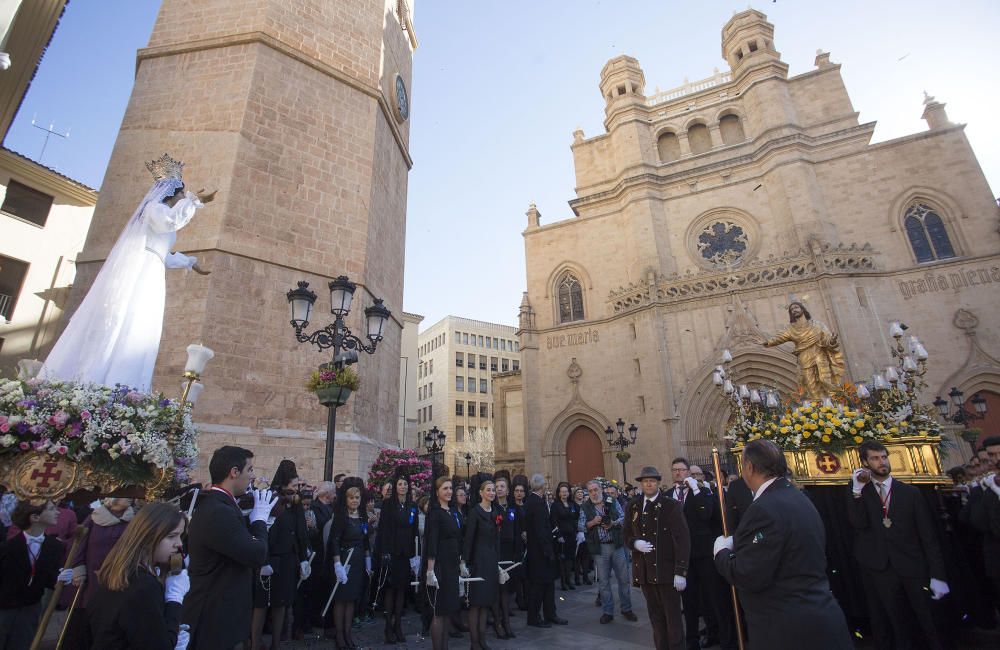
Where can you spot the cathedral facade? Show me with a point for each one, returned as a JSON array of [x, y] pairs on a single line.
[[702, 213]]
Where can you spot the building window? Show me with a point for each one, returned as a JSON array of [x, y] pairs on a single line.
[[482, 362], [26, 203], [927, 235], [493, 364], [669, 147], [430, 391], [473, 341], [465, 339], [459, 359], [517, 346], [472, 384], [570, 299], [482, 385], [459, 383], [503, 345], [484, 410], [731, 129], [12, 274], [430, 412], [489, 342], [472, 409], [459, 434], [504, 367], [459, 407], [515, 365], [431, 369], [458, 337]]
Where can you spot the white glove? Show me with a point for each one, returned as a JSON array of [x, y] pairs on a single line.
[[4, 60], [721, 543], [65, 576], [415, 564], [504, 577], [341, 572], [580, 537], [266, 571], [939, 589], [680, 583], [561, 540], [183, 637], [463, 570], [990, 481], [857, 485], [368, 564], [432, 580], [263, 501], [176, 586], [304, 570], [693, 484], [643, 546]]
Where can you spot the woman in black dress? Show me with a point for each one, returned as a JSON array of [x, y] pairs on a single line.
[[481, 554], [565, 515], [511, 552], [584, 563], [519, 492], [443, 535], [396, 549], [348, 533]]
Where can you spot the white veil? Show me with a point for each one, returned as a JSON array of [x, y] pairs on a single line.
[[83, 351]]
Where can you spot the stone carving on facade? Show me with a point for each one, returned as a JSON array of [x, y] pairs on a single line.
[[574, 372], [980, 366], [772, 271], [742, 328], [525, 315], [723, 243]]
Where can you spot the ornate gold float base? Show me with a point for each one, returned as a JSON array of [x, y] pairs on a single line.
[[38, 477], [914, 460]]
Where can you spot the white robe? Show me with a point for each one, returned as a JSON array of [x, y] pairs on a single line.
[[90, 351]]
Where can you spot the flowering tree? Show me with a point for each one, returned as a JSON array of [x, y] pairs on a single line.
[[482, 449], [390, 460]]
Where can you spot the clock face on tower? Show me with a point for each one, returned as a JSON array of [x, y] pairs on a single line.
[[402, 101]]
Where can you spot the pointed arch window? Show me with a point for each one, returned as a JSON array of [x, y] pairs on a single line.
[[927, 234], [570, 299]]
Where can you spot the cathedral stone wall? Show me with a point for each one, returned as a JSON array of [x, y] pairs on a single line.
[[677, 259], [287, 108]]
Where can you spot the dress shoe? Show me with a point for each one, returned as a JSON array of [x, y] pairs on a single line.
[[557, 621], [630, 616], [586, 580], [540, 624], [606, 618], [455, 634]]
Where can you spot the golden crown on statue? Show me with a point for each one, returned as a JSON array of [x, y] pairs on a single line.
[[165, 167]]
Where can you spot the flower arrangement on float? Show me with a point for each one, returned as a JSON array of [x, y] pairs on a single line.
[[118, 430], [389, 461]]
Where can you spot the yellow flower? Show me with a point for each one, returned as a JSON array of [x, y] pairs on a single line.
[[854, 431], [826, 438], [880, 426], [784, 429], [785, 421], [858, 439], [798, 427], [903, 423], [754, 429], [859, 423], [923, 432], [836, 422], [893, 430], [806, 434], [814, 415], [828, 431]]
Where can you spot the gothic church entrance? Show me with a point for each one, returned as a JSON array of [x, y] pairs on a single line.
[[583, 455]]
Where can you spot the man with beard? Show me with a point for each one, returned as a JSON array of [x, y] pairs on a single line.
[[897, 547]]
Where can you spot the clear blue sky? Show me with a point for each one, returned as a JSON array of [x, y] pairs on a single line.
[[499, 88]]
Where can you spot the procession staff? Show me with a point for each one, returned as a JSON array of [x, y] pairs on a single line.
[[541, 558], [777, 561], [896, 545], [348, 532], [656, 529], [397, 552], [443, 530], [511, 552], [29, 564], [130, 609], [480, 558], [224, 553]]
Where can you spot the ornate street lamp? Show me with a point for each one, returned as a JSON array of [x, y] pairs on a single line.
[[622, 443], [468, 466], [962, 415], [338, 336], [434, 444]]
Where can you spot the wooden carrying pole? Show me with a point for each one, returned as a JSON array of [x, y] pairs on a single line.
[[81, 532], [725, 531]]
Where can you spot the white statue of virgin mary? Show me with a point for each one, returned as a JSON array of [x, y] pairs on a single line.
[[114, 336]]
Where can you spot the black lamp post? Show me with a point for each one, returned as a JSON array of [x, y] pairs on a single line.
[[338, 336], [621, 442], [434, 444], [468, 465], [962, 415]]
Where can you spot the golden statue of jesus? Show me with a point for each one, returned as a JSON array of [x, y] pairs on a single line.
[[821, 363]]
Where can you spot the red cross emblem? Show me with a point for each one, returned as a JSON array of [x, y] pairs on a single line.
[[827, 463], [49, 473]]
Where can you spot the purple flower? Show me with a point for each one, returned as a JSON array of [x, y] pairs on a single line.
[[164, 402], [85, 415]]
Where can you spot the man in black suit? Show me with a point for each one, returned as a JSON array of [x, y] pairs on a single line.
[[982, 512], [540, 563], [224, 553], [704, 586], [777, 561], [897, 547]]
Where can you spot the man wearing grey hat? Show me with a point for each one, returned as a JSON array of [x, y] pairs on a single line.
[[655, 528]]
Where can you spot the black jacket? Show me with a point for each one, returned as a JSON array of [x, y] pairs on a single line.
[[224, 553], [738, 499], [698, 513], [136, 618], [15, 571], [778, 565], [540, 562], [909, 546], [397, 530], [982, 512]]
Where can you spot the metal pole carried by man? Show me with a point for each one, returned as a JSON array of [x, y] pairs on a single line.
[[776, 559]]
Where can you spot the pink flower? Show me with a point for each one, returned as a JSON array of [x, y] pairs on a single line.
[[58, 419], [24, 446], [4, 428], [62, 449], [84, 415], [105, 445]]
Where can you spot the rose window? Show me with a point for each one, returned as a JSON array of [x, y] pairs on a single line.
[[723, 243]]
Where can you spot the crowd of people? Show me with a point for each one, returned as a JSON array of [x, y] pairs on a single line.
[[282, 558]]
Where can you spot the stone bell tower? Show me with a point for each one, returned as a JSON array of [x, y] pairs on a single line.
[[298, 113]]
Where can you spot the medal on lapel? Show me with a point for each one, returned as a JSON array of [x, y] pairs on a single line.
[[413, 514], [886, 522]]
